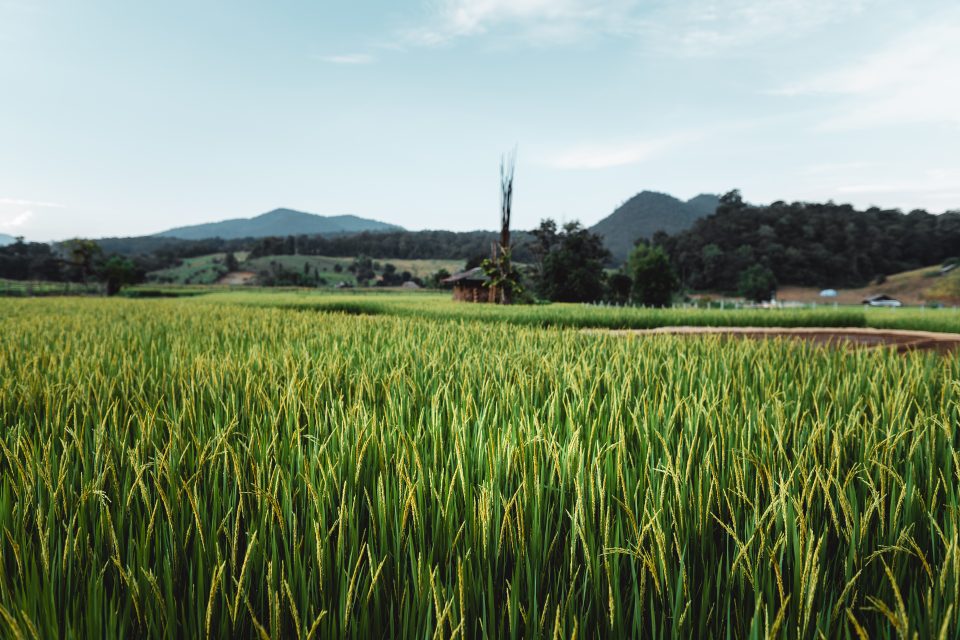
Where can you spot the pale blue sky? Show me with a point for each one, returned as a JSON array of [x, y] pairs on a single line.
[[126, 118]]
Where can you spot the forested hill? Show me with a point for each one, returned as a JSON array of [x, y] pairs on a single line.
[[425, 245], [646, 213], [279, 222], [821, 245], [455, 245]]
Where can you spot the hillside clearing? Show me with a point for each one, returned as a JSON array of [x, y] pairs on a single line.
[[917, 287]]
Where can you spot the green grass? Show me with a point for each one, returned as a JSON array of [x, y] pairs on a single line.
[[28, 288], [189, 468], [439, 306], [200, 270], [169, 290], [943, 320]]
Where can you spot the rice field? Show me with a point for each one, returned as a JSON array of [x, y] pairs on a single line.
[[439, 306], [209, 467]]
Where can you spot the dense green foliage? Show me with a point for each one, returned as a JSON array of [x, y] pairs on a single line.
[[646, 213], [21, 260], [165, 252], [757, 283], [821, 245], [654, 282], [187, 469], [80, 261], [568, 263]]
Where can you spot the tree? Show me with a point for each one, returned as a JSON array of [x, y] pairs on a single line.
[[390, 277], [116, 272], [435, 281], [572, 270], [618, 288], [231, 262], [654, 281], [757, 283], [545, 240], [83, 257], [362, 267]]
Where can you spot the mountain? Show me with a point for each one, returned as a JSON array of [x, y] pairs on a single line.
[[705, 203], [646, 213], [5, 239], [279, 222]]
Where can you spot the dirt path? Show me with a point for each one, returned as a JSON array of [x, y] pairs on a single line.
[[902, 341], [237, 277]]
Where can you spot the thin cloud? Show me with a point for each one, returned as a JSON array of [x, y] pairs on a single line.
[[535, 20], [707, 27], [699, 27], [936, 188], [608, 156], [17, 221], [837, 167], [911, 80], [348, 58], [30, 203]]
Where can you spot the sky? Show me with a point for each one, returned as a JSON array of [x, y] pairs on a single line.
[[126, 118]]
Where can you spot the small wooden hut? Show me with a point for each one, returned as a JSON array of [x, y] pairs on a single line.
[[471, 286]]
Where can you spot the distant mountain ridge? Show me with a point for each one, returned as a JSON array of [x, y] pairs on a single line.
[[279, 222], [5, 239], [648, 212]]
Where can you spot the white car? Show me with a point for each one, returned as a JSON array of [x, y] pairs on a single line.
[[885, 303]]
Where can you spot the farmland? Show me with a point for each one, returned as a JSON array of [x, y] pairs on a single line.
[[210, 269], [438, 306], [305, 465], [200, 270]]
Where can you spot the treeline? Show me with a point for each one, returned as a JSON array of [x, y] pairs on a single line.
[[821, 245], [33, 261], [71, 261], [569, 266], [400, 245], [160, 252]]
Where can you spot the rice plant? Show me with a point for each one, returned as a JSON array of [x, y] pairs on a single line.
[[187, 468]]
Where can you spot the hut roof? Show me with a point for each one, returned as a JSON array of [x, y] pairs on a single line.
[[475, 275], [878, 298]]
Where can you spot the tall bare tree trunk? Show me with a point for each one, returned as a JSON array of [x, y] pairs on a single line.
[[507, 166]]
